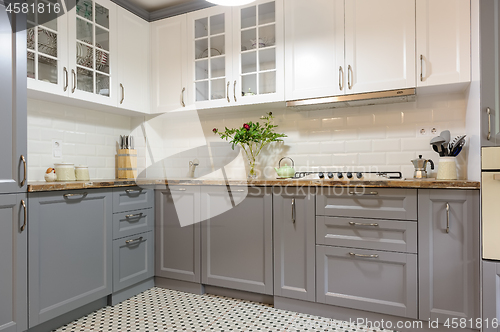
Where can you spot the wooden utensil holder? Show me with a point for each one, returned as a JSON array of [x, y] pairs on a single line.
[[126, 164]]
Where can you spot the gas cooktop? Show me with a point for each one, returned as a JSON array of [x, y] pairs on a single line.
[[348, 176]]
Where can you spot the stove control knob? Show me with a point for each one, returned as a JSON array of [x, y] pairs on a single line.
[[330, 175], [321, 175], [349, 175], [359, 175], [340, 175]]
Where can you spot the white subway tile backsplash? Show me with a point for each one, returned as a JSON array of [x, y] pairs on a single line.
[[400, 158], [386, 145], [358, 146], [368, 159]]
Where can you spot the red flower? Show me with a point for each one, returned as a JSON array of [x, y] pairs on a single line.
[[246, 126], [214, 130]]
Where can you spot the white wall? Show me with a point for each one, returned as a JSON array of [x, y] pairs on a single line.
[[384, 136], [89, 138]]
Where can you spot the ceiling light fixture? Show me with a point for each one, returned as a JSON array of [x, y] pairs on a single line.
[[230, 2]]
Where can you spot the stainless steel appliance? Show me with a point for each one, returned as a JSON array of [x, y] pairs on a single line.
[[347, 176], [490, 183], [420, 165]]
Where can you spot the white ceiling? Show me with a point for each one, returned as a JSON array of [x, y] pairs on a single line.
[[152, 5]]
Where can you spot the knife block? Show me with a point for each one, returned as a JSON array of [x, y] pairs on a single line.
[[126, 164]]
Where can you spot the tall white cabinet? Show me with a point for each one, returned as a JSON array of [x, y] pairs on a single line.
[[443, 42]]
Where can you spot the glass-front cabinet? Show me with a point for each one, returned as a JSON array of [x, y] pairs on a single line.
[[236, 54], [258, 66], [92, 36], [46, 49], [71, 55]]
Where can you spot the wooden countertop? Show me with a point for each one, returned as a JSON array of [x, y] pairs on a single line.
[[411, 183]]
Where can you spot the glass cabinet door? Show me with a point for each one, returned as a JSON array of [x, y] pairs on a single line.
[[46, 43], [91, 43], [260, 50], [210, 53]]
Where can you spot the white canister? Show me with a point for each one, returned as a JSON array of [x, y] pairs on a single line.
[[82, 173], [65, 172], [447, 169]]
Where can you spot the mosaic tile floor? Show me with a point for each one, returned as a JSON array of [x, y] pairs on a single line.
[[166, 310]]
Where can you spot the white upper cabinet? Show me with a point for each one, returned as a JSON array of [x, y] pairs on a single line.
[[133, 62], [169, 79], [258, 62], [47, 52], [314, 48], [92, 51], [209, 36], [443, 42], [379, 45], [236, 55]]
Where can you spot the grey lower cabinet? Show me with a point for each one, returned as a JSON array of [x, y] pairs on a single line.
[[294, 242], [491, 296], [237, 244], [14, 264], [449, 251], [369, 280], [177, 249], [70, 251]]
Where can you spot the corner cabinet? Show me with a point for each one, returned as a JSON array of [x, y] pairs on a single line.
[[237, 244], [236, 55], [70, 252], [448, 242], [443, 42], [294, 243]]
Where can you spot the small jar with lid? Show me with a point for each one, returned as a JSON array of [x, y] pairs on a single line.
[[65, 172], [82, 173]]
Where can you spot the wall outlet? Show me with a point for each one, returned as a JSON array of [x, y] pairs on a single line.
[[56, 148]]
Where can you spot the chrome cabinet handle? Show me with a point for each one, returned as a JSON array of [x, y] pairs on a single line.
[[123, 93], [66, 78], [371, 193], [421, 68], [23, 227], [362, 255], [341, 78], [234, 91], [139, 239], [350, 73], [180, 189], [227, 92], [73, 195], [131, 191], [73, 73], [362, 224], [23, 182], [488, 111], [293, 210], [182, 97], [447, 217], [138, 215]]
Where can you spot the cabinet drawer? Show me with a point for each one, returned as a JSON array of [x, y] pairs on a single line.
[[133, 260], [132, 198], [378, 234], [132, 222], [379, 203], [370, 280]]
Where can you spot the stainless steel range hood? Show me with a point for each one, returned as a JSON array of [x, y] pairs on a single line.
[[361, 99]]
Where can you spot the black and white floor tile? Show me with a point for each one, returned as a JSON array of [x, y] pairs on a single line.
[[171, 311]]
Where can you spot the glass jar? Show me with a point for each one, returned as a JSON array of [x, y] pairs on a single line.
[[65, 172], [82, 173]]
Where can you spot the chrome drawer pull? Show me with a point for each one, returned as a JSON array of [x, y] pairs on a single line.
[[421, 68], [138, 215], [239, 191], [341, 78], [123, 93], [364, 256], [180, 189], [293, 210], [234, 91], [371, 193], [131, 191], [361, 224], [488, 111], [73, 195], [227, 92], [447, 217], [139, 239], [67, 81], [23, 227], [23, 182], [182, 97]]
